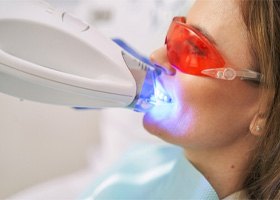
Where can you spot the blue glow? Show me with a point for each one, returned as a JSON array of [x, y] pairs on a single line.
[[153, 94], [161, 112]]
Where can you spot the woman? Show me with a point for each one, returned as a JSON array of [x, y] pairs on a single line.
[[222, 65], [234, 124]]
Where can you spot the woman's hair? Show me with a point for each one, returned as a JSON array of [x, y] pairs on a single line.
[[262, 20]]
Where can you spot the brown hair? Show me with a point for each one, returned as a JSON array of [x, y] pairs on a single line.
[[262, 20]]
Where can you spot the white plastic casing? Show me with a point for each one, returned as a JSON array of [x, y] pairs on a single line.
[[49, 56]]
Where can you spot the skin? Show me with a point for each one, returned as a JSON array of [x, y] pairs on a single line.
[[212, 117]]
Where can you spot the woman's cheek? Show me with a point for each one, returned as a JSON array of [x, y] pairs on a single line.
[[173, 119]]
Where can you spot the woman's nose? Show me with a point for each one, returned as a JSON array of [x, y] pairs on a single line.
[[159, 58]]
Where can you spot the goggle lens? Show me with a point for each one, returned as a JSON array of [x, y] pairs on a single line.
[[190, 51]]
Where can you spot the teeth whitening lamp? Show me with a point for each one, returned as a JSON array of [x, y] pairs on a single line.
[[49, 56]]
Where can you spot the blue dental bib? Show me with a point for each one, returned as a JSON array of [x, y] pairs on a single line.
[[152, 172]]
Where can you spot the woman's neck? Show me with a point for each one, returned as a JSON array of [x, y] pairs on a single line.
[[224, 167]]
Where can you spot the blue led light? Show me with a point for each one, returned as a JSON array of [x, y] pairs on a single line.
[[152, 93]]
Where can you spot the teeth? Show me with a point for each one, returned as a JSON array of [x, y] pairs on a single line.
[[166, 99], [160, 97]]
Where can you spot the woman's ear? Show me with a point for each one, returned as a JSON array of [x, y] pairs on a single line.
[[257, 125]]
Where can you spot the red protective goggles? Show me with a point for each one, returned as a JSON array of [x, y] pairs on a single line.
[[191, 52]]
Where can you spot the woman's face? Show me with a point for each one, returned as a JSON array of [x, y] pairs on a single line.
[[208, 112]]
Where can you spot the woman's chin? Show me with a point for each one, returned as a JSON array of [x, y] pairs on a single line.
[[149, 123], [152, 125], [170, 129], [156, 128]]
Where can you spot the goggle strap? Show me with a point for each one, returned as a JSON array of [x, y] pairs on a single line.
[[247, 74]]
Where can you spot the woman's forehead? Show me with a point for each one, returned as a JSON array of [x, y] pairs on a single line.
[[215, 14], [222, 20]]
